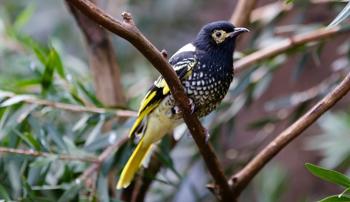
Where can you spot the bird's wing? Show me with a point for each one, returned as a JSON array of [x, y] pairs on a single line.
[[183, 62]]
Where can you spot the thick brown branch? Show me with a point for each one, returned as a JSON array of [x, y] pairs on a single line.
[[240, 180], [130, 32], [102, 60], [241, 15], [68, 107], [284, 45], [47, 155]]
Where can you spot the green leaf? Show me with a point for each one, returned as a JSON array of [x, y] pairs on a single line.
[[56, 137], [23, 17], [55, 60], [39, 52], [329, 175], [288, 1], [42, 161], [89, 94], [336, 198], [71, 192], [14, 100], [27, 190], [29, 139], [48, 75], [164, 156], [4, 194], [102, 187], [341, 16], [27, 82]]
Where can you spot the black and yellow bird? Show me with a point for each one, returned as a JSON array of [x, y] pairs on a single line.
[[205, 68]]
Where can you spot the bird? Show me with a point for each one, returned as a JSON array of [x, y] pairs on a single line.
[[205, 69]]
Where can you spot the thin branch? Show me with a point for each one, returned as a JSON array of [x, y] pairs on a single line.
[[130, 32], [45, 154], [68, 107], [240, 180], [103, 157], [282, 46], [241, 15]]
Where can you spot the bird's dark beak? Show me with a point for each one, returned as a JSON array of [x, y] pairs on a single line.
[[237, 31]]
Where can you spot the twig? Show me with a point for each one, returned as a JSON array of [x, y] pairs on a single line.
[[69, 107], [240, 180], [45, 154], [241, 15], [284, 45], [102, 157], [130, 32]]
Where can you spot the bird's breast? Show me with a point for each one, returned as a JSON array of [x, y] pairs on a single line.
[[208, 85]]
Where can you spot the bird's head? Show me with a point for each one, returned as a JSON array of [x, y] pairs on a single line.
[[218, 36]]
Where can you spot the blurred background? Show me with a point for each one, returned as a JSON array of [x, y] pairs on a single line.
[[44, 56]]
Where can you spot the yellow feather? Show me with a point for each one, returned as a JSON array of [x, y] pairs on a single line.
[[143, 111], [166, 89], [133, 164]]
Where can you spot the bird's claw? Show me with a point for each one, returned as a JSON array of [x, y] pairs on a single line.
[[207, 135], [193, 106], [177, 110]]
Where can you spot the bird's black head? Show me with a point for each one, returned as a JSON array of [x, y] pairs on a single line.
[[219, 36]]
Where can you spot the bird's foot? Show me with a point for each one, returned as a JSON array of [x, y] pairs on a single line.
[[177, 110], [207, 135], [192, 105]]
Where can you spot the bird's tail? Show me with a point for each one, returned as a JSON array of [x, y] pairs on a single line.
[[133, 164]]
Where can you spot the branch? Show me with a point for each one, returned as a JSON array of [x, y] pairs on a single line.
[[240, 180], [284, 45], [241, 15], [45, 154], [130, 32], [69, 107], [102, 157]]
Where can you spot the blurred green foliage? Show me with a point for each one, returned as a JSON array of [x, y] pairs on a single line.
[[42, 55]]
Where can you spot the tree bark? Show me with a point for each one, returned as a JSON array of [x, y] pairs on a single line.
[[102, 60]]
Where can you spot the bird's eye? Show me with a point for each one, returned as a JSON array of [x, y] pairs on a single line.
[[219, 36]]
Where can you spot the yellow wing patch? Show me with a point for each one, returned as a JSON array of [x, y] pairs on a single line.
[[161, 83], [160, 89], [145, 109]]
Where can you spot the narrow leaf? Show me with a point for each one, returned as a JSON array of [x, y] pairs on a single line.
[[336, 198], [23, 17], [4, 194], [70, 193], [14, 100], [56, 60], [329, 175], [341, 16]]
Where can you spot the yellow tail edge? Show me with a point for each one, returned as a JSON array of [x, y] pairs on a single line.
[[133, 164]]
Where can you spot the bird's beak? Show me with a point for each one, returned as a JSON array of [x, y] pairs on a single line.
[[237, 31]]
